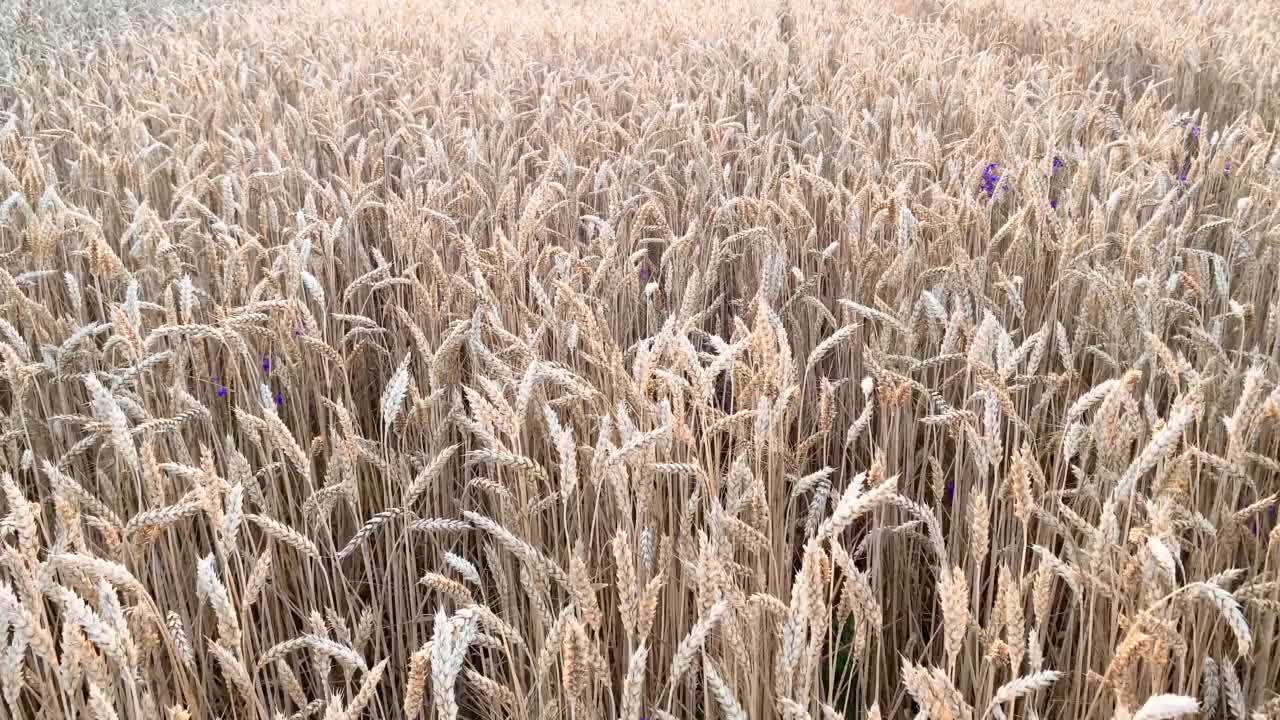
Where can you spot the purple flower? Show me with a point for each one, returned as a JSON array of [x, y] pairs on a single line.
[[645, 272], [1057, 164], [1226, 169], [266, 364], [279, 400], [222, 389], [990, 178], [1195, 131], [951, 490], [1053, 204]]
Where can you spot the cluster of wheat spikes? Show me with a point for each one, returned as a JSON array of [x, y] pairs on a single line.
[[422, 359]]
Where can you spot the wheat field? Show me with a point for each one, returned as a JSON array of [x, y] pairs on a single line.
[[630, 360]]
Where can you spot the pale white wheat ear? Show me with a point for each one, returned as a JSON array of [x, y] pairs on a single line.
[[281, 437], [827, 346], [692, 642], [723, 695], [854, 503], [1160, 445], [320, 646], [100, 704], [393, 394], [368, 686], [209, 588], [1229, 609], [1018, 687], [284, 534], [428, 475], [1209, 689], [954, 597], [106, 408], [449, 647], [633, 684], [20, 516], [234, 671], [370, 527], [1159, 707]]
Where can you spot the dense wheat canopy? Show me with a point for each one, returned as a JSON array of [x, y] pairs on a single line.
[[637, 359]]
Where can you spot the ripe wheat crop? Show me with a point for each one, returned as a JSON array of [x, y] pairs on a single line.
[[639, 359]]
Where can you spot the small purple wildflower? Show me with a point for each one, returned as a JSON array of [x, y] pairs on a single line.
[[279, 400], [266, 364], [951, 490], [1182, 178], [1226, 169], [1053, 204], [1057, 164], [645, 272], [990, 178], [222, 389], [1195, 131]]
